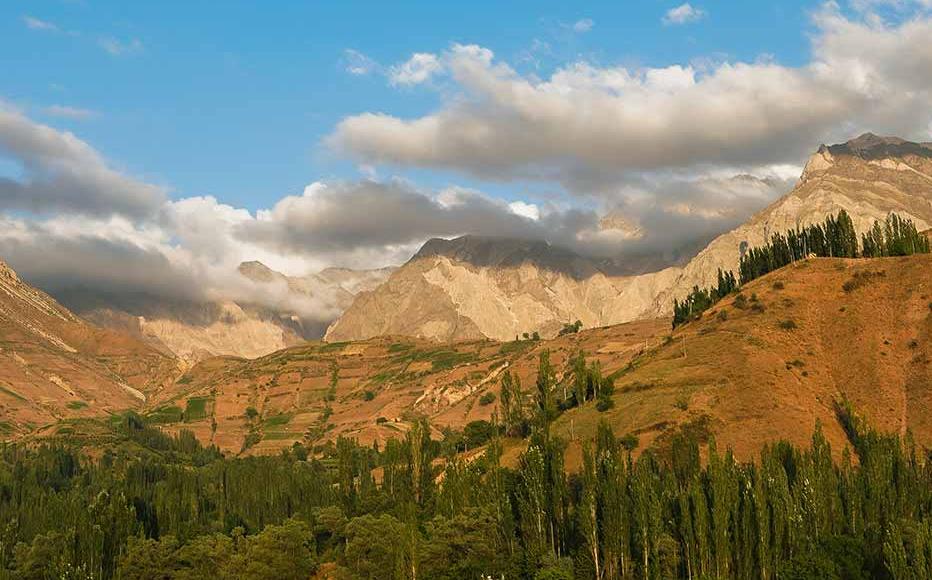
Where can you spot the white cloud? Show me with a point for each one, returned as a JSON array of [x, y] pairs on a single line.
[[583, 25], [683, 14], [34, 23], [591, 128], [358, 64], [67, 112], [524, 209], [118, 47], [416, 70]]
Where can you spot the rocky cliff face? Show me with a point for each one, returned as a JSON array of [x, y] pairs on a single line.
[[474, 287], [272, 312], [479, 287]]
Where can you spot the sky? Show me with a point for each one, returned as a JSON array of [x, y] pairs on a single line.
[[153, 146]]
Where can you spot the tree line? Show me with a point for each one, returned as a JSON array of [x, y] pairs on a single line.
[[159, 506], [836, 237]]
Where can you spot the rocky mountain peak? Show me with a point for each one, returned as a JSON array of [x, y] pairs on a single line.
[[870, 147], [257, 271], [503, 252]]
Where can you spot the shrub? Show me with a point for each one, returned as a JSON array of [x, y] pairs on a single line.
[[604, 404], [368, 396], [741, 301], [477, 433], [251, 413], [682, 403], [861, 278], [722, 315], [629, 442], [788, 325], [381, 420], [778, 285], [487, 399]]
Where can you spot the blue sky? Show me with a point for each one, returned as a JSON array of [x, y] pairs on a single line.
[[234, 101]]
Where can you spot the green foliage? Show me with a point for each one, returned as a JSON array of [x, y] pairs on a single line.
[[334, 381], [159, 506], [487, 399], [571, 328], [168, 414], [196, 409], [368, 395], [277, 420], [514, 417]]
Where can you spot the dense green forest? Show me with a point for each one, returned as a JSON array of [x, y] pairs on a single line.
[[147, 505], [833, 238]]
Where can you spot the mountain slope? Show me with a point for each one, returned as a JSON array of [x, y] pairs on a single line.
[[472, 287], [53, 364], [772, 361], [272, 311]]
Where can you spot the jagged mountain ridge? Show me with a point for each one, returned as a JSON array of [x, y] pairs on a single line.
[[452, 290]]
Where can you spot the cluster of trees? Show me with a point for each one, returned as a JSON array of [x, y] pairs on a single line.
[[570, 328], [699, 300], [834, 238], [894, 237], [162, 507]]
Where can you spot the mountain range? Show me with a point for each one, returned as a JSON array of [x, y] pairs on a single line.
[[478, 287]]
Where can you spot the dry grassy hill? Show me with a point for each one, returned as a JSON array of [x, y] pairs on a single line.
[[770, 362]]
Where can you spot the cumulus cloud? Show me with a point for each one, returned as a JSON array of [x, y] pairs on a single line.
[[588, 126], [59, 172], [416, 70], [682, 14]]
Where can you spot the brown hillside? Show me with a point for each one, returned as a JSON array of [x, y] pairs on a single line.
[[55, 365], [406, 377], [770, 362]]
